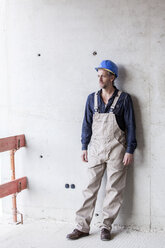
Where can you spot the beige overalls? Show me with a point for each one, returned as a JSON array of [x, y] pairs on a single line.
[[106, 151]]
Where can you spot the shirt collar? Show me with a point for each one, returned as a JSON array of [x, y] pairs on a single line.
[[114, 93]]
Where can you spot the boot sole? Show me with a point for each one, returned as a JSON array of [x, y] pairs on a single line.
[[85, 235], [105, 239]]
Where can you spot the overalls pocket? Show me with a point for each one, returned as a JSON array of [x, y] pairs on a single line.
[[121, 139], [94, 148]]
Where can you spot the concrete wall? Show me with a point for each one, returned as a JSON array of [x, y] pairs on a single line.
[[44, 98]]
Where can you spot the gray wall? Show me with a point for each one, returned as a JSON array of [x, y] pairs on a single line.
[[44, 98]]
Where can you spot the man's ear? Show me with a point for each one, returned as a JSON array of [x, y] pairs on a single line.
[[112, 77]]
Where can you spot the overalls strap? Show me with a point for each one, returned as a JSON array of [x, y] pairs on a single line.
[[96, 101], [113, 104], [116, 99]]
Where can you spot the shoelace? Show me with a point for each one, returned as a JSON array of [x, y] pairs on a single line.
[[105, 230], [76, 230]]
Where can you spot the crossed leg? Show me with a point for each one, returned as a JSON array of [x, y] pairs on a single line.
[[116, 181], [85, 213]]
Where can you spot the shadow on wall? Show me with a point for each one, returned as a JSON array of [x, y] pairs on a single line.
[[139, 151]]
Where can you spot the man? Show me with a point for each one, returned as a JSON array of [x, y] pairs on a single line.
[[109, 130]]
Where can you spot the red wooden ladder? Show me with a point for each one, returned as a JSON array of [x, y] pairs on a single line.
[[15, 186]]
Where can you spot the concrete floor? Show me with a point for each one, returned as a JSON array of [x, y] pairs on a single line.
[[50, 234]]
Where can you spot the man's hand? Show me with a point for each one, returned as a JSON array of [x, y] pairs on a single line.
[[84, 156], [128, 158]]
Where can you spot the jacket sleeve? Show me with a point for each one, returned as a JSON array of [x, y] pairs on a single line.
[[87, 124], [129, 118]]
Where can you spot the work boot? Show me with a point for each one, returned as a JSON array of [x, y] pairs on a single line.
[[76, 234], [105, 234]]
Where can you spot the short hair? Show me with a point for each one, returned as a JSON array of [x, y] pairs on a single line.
[[110, 73]]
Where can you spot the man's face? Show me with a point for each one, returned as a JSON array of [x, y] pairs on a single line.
[[105, 79]]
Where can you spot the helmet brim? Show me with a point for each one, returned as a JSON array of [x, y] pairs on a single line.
[[96, 68]]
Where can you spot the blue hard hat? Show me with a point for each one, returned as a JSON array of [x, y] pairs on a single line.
[[108, 65]]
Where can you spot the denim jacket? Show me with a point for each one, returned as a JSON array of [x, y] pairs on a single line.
[[124, 114]]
